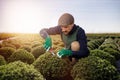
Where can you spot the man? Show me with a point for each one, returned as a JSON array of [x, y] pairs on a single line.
[[69, 33]]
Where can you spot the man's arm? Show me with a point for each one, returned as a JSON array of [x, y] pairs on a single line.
[[50, 31], [82, 39], [44, 33]]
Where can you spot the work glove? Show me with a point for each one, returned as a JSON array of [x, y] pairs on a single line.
[[64, 52], [48, 42]]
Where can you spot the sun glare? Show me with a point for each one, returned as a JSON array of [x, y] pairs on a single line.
[[23, 17]]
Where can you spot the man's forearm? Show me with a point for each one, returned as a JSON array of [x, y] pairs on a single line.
[[52, 30]]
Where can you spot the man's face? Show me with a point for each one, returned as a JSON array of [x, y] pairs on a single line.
[[67, 29]]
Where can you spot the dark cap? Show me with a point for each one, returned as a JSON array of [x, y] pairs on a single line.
[[66, 19]]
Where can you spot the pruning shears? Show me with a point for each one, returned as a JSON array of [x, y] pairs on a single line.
[[51, 51]]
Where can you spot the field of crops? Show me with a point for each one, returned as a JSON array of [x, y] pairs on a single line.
[[22, 57]]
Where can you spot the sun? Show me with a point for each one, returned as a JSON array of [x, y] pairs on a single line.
[[23, 17]]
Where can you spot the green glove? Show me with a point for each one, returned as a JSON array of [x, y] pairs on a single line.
[[48, 43], [64, 52]]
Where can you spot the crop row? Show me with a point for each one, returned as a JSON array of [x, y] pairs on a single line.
[[24, 58]]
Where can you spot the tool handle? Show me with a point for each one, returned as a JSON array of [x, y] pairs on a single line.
[[51, 51]]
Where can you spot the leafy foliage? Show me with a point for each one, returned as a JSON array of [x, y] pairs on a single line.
[[108, 46], [37, 51], [2, 60], [19, 71], [103, 55], [35, 44], [8, 45], [113, 52], [105, 42], [93, 68], [22, 55], [94, 44], [6, 52], [52, 67], [11, 43], [26, 47]]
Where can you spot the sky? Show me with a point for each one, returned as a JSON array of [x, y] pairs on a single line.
[[30, 16]]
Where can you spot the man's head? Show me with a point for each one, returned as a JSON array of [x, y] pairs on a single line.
[[66, 22]]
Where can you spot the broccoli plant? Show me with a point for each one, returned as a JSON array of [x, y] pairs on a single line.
[[35, 44], [103, 55], [103, 46], [19, 71], [37, 51], [2, 60], [94, 68], [113, 52], [22, 55], [6, 52], [52, 67], [26, 47]]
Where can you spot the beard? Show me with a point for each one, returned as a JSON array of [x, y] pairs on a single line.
[[66, 32]]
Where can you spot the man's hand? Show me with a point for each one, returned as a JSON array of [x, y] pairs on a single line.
[[48, 43], [64, 52]]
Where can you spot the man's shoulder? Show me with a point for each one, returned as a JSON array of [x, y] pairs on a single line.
[[79, 28]]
